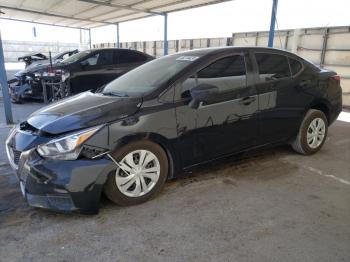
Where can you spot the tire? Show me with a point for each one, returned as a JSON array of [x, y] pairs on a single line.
[[118, 193], [16, 100], [308, 141]]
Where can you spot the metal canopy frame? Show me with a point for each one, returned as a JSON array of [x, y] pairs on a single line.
[[134, 11]]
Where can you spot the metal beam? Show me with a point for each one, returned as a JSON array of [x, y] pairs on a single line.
[[53, 15], [114, 10], [90, 45], [187, 8], [125, 7], [165, 33], [118, 42], [273, 22], [150, 14], [126, 15], [119, 18], [31, 22], [4, 86], [53, 5], [324, 47]]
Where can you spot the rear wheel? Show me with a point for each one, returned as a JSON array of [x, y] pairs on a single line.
[[143, 173], [312, 133]]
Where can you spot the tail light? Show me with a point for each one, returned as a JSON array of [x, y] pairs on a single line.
[[53, 72], [336, 78]]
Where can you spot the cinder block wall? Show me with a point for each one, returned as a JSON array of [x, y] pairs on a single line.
[[327, 47]]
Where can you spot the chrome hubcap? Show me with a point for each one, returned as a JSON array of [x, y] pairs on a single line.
[[141, 170], [316, 132]]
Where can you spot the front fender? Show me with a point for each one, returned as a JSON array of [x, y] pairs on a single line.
[[19, 90]]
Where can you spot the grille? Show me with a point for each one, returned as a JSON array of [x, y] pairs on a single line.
[[16, 156]]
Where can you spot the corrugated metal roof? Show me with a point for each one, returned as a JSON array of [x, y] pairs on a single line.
[[92, 13]]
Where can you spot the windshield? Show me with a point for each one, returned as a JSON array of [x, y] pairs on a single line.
[[76, 57], [149, 76]]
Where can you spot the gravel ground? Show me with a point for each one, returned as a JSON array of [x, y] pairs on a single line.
[[270, 205]]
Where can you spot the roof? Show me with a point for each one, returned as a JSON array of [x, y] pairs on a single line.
[[92, 13], [220, 49]]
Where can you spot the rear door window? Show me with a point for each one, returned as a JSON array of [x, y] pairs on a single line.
[[272, 66], [101, 58], [129, 56], [105, 58]]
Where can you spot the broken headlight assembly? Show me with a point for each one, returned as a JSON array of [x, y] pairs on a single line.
[[67, 147], [65, 75], [37, 75]]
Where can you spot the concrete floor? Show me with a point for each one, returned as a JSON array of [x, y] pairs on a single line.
[[272, 205]]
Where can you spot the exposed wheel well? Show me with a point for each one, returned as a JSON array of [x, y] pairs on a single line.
[[322, 107]]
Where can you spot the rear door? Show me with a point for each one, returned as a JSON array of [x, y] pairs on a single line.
[[281, 100], [224, 127], [94, 71]]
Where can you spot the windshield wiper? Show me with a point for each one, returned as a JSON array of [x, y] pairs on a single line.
[[118, 94]]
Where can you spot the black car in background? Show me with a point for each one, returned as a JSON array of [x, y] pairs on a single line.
[[37, 58], [86, 70], [168, 115]]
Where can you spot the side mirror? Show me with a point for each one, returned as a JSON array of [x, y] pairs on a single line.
[[204, 93], [84, 64]]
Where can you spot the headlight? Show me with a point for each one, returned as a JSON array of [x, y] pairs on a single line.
[[37, 74], [29, 78], [68, 147], [65, 76], [9, 136]]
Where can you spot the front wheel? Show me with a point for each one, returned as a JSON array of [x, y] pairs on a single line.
[[312, 133], [143, 173]]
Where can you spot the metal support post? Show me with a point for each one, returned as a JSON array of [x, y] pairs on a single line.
[[118, 41], [324, 47], [273, 22], [4, 87], [90, 39], [165, 33]]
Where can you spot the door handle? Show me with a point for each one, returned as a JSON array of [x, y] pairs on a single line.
[[304, 83], [247, 100]]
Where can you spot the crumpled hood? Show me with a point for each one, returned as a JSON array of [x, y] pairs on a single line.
[[82, 111], [33, 55]]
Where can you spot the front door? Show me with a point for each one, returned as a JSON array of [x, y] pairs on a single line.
[[224, 127]]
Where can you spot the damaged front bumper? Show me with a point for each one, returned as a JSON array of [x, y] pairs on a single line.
[[59, 185], [20, 89]]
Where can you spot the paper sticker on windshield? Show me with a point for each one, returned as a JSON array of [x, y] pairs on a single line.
[[187, 58]]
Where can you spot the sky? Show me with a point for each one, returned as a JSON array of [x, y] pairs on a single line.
[[219, 20]]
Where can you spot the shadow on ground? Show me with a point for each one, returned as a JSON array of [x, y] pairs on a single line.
[[269, 205]]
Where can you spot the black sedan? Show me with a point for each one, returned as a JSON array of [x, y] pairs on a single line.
[[165, 116], [87, 70]]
